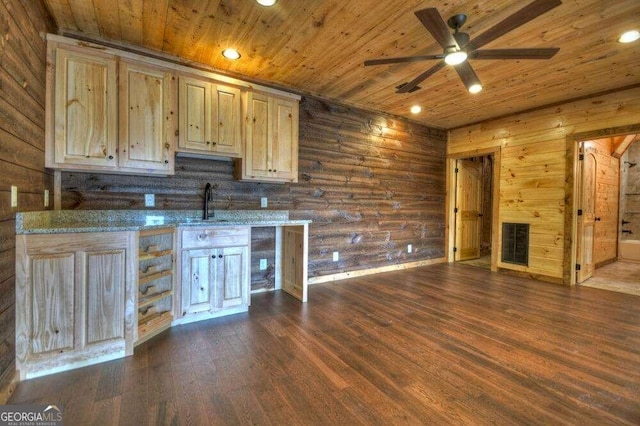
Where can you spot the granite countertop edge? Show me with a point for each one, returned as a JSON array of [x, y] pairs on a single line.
[[62, 222]]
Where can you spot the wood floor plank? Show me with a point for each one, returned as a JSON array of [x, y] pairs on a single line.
[[443, 344]]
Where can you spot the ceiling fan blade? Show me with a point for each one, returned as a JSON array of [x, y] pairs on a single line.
[[401, 60], [542, 53], [524, 15], [467, 74], [433, 22], [406, 88]]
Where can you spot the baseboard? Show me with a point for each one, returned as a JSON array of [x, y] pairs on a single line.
[[8, 383], [537, 277], [363, 272], [605, 262]]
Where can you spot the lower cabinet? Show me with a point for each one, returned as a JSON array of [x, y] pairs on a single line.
[[214, 272], [74, 300]]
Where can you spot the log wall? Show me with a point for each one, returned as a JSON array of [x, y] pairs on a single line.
[[22, 100], [533, 166], [371, 184]]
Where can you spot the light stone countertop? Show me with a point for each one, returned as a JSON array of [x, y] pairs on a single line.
[[67, 221]]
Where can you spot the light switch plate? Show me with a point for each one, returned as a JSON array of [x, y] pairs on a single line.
[[149, 200], [263, 202], [409, 248], [46, 198], [336, 256], [14, 196], [263, 264]]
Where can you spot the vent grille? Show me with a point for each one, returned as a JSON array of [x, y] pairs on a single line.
[[515, 243]]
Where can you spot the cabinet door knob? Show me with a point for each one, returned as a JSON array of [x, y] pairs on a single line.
[[166, 161], [220, 256], [214, 143], [111, 157], [208, 142]]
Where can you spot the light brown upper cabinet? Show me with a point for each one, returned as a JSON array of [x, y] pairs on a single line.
[[105, 117], [84, 88], [271, 144], [210, 118], [146, 118]]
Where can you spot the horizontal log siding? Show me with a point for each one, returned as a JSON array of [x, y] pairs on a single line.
[[22, 99], [533, 166], [371, 184]]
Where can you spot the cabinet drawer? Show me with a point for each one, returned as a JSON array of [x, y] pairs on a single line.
[[215, 237]]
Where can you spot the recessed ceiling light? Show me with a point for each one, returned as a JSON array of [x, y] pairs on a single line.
[[475, 88], [230, 53], [629, 36], [267, 2], [416, 109]]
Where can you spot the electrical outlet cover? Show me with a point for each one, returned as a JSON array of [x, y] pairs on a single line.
[[409, 248], [149, 200], [263, 202], [336, 256], [263, 264]]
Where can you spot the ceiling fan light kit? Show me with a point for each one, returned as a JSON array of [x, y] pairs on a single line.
[[629, 36], [454, 56], [458, 47]]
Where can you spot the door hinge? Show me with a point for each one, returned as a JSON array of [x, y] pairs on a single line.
[[455, 210], [455, 249], [579, 212], [456, 170], [577, 266], [581, 157]]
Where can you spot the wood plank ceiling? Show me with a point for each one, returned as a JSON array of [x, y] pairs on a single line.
[[319, 46]]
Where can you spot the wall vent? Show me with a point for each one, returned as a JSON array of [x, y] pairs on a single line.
[[515, 243]]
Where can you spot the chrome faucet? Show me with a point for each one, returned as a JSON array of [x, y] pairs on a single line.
[[207, 198]]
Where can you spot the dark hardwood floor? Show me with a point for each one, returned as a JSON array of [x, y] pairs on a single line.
[[444, 344]]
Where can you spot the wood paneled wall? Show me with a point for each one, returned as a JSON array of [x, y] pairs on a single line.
[[371, 184], [533, 166], [22, 99]]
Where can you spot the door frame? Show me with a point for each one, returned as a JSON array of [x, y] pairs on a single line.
[[450, 219], [571, 193]]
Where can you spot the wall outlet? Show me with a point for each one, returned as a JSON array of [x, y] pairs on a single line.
[[409, 248], [14, 196], [46, 198], [263, 264], [149, 200], [336, 256], [263, 202]]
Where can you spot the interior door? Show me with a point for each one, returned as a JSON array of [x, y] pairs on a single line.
[[586, 214], [469, 207]]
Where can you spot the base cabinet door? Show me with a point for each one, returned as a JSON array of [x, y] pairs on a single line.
[[77, 294], [229, 277], [198, 276]]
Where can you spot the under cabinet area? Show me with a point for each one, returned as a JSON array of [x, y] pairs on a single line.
[[74, 299], [156, 282], [214, 272]]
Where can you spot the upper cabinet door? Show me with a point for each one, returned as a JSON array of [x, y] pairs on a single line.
[[226, 120], [146, 118], [209, 118], [285, 139], [85, 98], [195, 114], [257, 155]]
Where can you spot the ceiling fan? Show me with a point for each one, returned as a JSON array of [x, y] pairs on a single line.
[[458, 47]]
